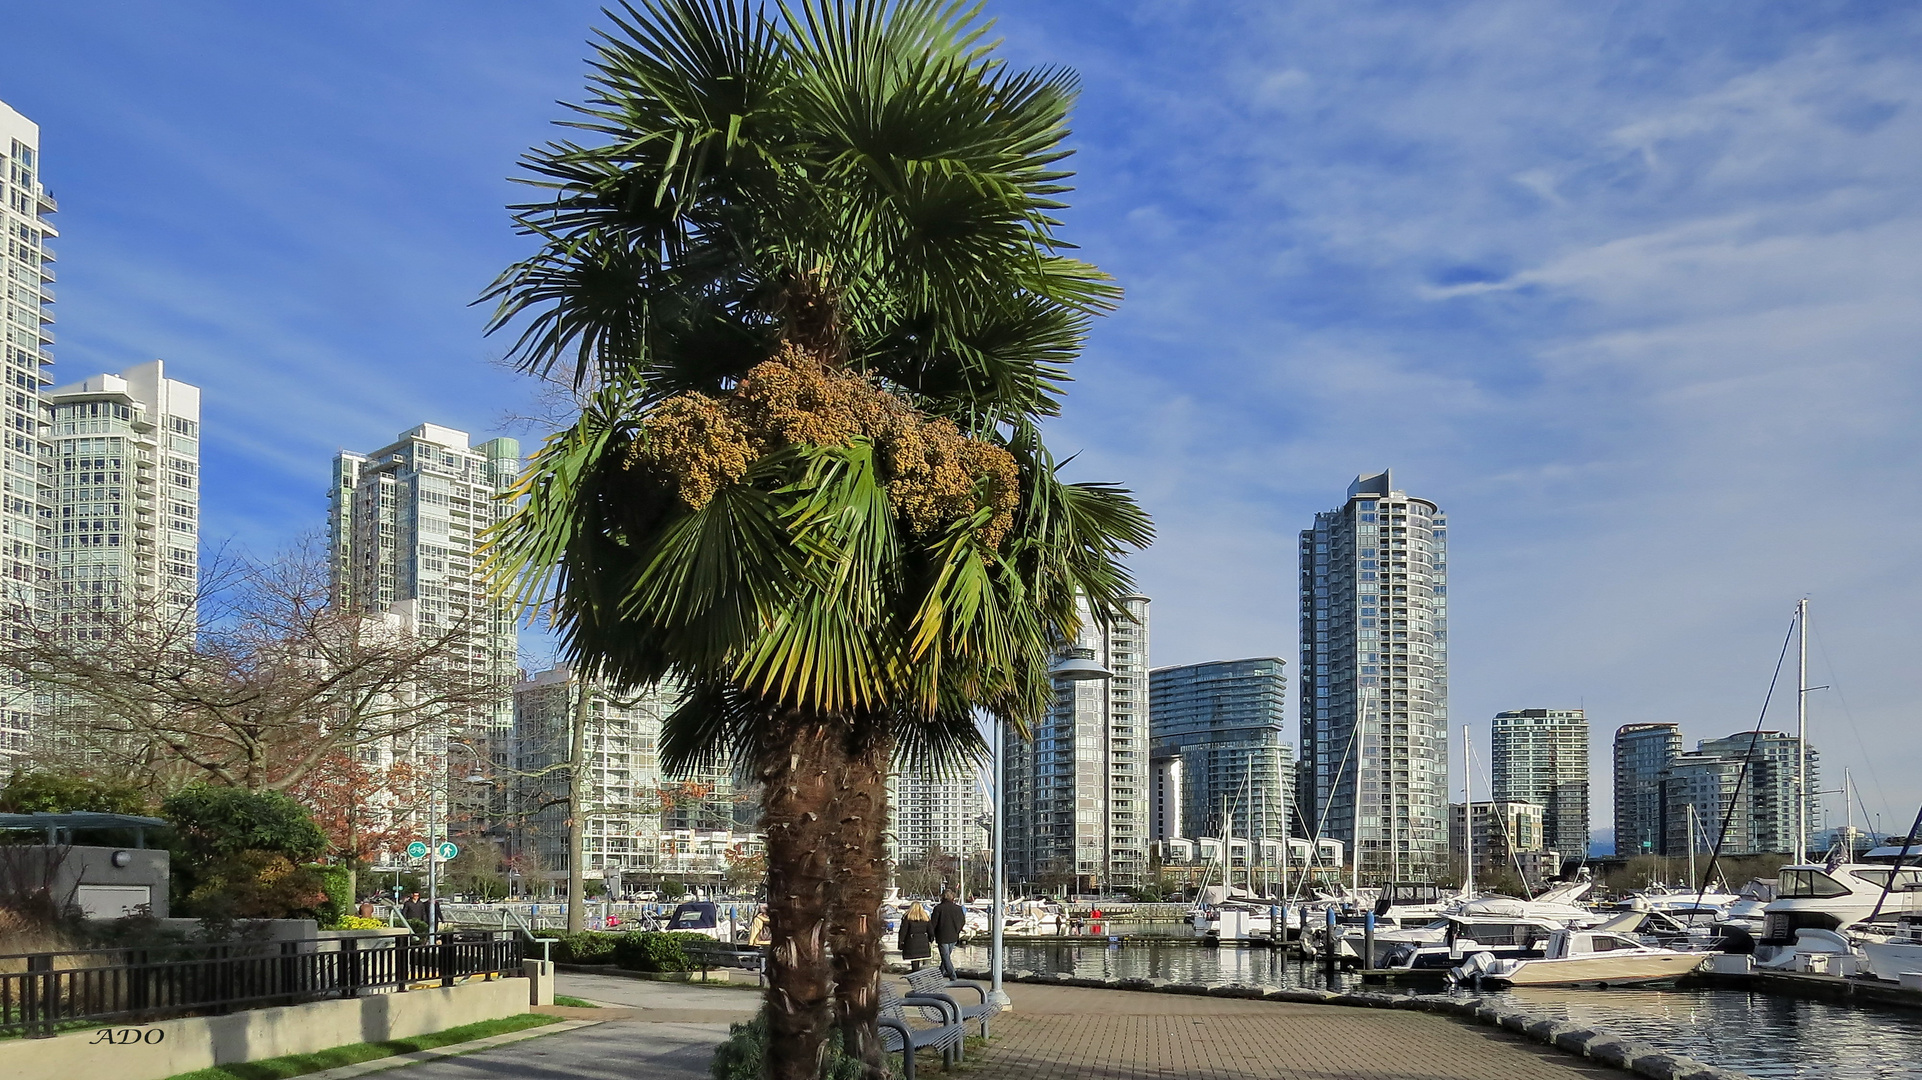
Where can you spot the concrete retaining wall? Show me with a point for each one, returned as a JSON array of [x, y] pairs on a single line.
[[170, 1047]]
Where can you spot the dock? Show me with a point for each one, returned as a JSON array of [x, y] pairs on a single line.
[[1817, 987]]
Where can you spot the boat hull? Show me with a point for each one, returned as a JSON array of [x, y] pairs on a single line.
[[1890, 960], [1627, 970]]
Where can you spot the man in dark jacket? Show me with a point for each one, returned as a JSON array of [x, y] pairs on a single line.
[[946, 924]]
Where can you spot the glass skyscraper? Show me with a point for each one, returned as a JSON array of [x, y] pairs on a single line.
[[1643, 754], [406, 524], [1374, 680], [1223, 721]]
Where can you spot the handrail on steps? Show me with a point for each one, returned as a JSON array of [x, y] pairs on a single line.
[[546, 943]]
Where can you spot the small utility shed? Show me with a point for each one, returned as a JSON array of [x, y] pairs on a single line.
[[107, 882]]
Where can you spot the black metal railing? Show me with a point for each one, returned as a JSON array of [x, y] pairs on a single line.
[[42, 993]]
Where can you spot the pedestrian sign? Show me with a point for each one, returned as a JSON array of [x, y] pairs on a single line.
[[417, 850], [446, 850]]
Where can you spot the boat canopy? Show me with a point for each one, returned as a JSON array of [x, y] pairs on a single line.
[[695, 915], [1407, 894]]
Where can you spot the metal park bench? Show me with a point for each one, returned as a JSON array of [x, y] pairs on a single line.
[[931, 982], [718, 955], [899, 1036]]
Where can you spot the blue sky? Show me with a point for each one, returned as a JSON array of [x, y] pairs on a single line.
[[1630, 289]]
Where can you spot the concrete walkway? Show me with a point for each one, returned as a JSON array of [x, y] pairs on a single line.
[[656, 1031], [667, 1031], [1055, 1033]]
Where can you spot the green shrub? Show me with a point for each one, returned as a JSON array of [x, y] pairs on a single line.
[[47, 792], [585, 947], [235, 854], [338, 883], [645, 951], [744, 1055]]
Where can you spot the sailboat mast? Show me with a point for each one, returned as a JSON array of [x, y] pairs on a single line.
[[1802, 730], [1227, 846], [1468, 816], [1691, 845], [1394, 849], [1848, 807], [1361, 762]]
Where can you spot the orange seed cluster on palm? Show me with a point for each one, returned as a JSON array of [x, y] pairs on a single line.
[[935, 475]]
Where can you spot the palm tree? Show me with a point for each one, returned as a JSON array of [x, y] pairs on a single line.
[[804, 273]]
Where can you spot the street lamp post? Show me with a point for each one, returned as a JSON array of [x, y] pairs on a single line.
[[433, 828]]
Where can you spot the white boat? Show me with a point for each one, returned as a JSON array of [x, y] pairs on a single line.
[[1689, 906], [1834, 900], [1581, 957], [1034, 917], [1748, 906], [1900, 955]]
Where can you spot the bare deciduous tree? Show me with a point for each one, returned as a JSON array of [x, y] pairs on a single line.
[[267, 687]]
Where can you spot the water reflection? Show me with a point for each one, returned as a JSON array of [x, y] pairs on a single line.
[[1760, 1034]]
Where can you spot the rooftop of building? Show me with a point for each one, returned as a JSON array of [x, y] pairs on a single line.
[[1216, 664]]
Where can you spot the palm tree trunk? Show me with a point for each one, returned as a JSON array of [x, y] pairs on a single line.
[[861, 874], [797, 773]]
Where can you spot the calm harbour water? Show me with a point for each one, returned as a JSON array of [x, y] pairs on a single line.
[[1760, 1034]]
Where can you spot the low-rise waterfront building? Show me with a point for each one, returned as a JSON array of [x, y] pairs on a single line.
[[1508, 838]]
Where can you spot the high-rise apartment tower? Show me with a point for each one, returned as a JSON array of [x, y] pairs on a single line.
[[1643, 754], [936, 810], [1076, 796], [26, 276], [1763, 797], [1374, 679], [1541, 756], [1224, 721], [124, 451], [406, 524]]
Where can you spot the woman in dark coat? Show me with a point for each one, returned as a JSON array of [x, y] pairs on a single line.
[[915, 938]]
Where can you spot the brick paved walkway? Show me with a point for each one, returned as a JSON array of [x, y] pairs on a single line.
[[1063, 1033]]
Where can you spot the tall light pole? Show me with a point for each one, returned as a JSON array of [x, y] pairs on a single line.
[[433, 828]]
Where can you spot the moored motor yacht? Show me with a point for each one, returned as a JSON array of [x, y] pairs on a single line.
[[1456, 938], [1813, 896], [1582, 957]]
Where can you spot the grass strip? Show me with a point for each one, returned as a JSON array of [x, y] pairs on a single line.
[[301, 1064], [574, 1002]]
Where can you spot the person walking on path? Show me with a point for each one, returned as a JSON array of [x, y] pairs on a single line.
[[915, 935], [947, 923]]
